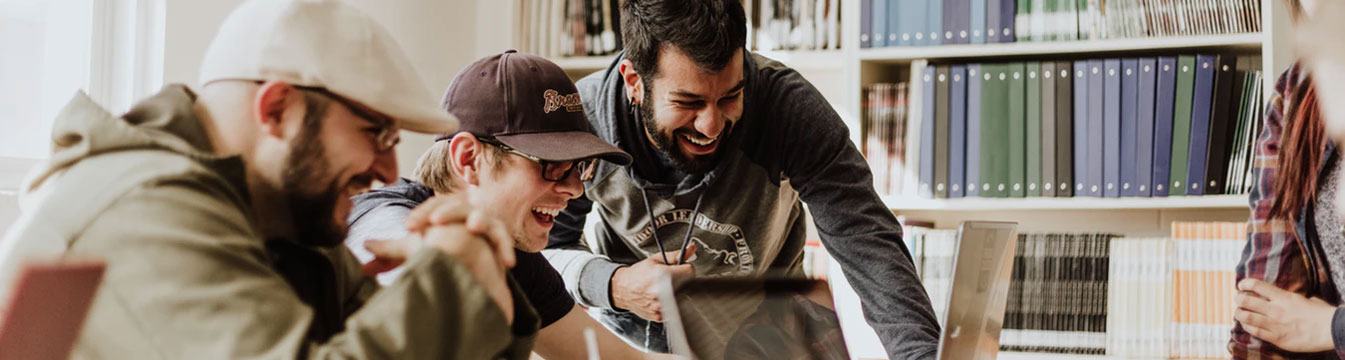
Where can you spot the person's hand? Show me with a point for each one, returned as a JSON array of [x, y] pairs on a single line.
[[388, 254], [1290, 321], [478, 256], [454, 209], [635, 288], [476, 239]]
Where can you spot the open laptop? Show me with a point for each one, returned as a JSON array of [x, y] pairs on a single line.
[[46, 309], [765, 318]]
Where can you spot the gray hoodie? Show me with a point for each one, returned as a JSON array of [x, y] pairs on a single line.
[[789, 148]]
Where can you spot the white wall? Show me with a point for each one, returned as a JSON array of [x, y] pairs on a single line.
[[188, 28], [438, 36]]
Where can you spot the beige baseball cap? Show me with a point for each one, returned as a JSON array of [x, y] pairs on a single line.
[[326, 44]]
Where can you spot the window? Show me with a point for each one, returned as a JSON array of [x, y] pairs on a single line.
[[53, 48]]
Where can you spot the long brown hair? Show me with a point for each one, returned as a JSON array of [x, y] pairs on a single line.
[[1302, 149]]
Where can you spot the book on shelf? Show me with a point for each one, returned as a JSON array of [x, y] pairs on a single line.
[[1017, 127], [1064, 131], [1130, 128], [927, 96], [1034, 103], [949, 22], [1111, 128], [1104, 294], [942, 91], [1248, 128], [1049, 146], [914, 132], [569, 28], [1058, 294], [973, 141], [932, 253], [957, 131], [1181, 124], [1093, 171], [1204, 256], [1119, 127], [884, 149], [1146, 77], [808, 24], [1139, 299]]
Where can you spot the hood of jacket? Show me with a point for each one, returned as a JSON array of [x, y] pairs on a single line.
[[166, 121]]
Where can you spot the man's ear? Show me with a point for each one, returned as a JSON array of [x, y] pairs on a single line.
[[272, 100], [634, 82], [465, 153]]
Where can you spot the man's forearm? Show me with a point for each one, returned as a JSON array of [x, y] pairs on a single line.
[[588, 277]]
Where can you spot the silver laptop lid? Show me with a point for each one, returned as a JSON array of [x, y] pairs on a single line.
[[982, 270], [752, 318]]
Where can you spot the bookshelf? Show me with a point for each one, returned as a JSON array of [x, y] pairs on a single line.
[[842, 74]]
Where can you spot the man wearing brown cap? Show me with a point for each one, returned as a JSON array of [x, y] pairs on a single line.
[[522, 152], [220, 213], [728, 146]]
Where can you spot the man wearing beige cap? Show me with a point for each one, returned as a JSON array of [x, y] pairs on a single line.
[[220, 213]]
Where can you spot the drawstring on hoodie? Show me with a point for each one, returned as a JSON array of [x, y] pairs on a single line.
[[691, 225]]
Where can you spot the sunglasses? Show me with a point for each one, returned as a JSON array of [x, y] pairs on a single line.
[[555, 171]]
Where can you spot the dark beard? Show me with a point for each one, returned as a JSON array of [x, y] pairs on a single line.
[[313, 213], [666, 141]]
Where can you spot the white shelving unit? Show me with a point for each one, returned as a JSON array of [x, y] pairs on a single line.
[[1011, 355], [803, 61], [1250, 41], [841, 75], [584, 63], [897, 203]]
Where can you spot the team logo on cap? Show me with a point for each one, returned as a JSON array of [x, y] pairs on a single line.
[[556, 101]]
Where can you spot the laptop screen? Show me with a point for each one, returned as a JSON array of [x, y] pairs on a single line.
[[740, 318]]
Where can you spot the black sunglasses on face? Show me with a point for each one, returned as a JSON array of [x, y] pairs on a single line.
[[552, 170]]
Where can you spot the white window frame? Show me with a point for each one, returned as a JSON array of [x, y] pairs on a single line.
[[125, 64]]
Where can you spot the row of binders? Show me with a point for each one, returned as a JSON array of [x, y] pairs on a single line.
[[556, 28], [1120, 127], [885, 23], [1103, 294]]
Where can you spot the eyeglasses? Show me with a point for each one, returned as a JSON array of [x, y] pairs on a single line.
[[386, 136], [552, 170]]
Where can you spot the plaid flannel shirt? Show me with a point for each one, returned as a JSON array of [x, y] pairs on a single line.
[[1278, 251]]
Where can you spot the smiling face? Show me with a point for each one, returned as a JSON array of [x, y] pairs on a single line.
[[513, 190], [686, 110], [332, 157]]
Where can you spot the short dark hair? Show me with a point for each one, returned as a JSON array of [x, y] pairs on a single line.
[[707, 31]]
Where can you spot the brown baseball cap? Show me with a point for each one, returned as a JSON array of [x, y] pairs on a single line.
[[528, 103]]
